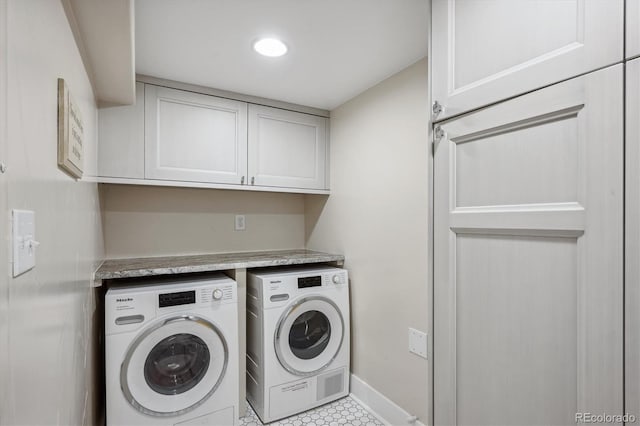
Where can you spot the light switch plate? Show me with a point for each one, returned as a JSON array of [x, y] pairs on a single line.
[[418, 342], [23, 241]]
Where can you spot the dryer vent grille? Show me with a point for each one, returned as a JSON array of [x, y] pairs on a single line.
[[330, 384]]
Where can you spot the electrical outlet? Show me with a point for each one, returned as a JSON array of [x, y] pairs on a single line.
[[241, 224], [418, 342]]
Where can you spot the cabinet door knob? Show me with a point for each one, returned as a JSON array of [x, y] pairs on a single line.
[[242, 180], [253, 180]]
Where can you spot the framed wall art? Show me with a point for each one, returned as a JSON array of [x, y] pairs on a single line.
[[70, 132]]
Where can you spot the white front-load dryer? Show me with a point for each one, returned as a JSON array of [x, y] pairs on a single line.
[[298, 339], [171, 352]]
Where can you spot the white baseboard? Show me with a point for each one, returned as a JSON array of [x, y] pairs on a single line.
[[387, 411]]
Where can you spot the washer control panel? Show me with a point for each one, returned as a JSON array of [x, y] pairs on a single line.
[[132, 304], [201, 296], [208, 295], [313, 281], [176, 299], [337, 278]]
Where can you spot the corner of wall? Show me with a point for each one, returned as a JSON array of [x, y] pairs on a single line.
[[377, 216]]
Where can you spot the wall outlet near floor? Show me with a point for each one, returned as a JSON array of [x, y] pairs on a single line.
[[418, 342], [241, 224]]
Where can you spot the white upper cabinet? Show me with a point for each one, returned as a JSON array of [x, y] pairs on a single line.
[[121, 141], [287, 149], [633, 28], [174, 137], [491, 50], [194, 137]]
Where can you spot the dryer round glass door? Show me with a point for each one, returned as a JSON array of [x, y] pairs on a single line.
[[174, 365], [309, 335]]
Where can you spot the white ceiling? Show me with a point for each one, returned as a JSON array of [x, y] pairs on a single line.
[[337, 48]]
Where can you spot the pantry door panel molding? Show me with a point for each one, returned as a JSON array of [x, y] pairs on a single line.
[[194, 137], [632, 16], [287, 149], [528, 291], [491, 50], [632, 240]]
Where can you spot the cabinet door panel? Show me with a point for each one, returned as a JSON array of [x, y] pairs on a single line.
[[194, 137], [121, 141], [491, 50], [528, 290], [632, 14], [287, 149], [632, 240]]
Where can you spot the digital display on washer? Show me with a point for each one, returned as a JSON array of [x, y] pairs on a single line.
[[307, 282], [176, 299]]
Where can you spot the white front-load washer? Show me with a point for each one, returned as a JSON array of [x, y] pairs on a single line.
[[171, 351], [298, 339]]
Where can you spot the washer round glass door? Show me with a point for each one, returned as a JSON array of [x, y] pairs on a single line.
[[309, 335], [174, 365]]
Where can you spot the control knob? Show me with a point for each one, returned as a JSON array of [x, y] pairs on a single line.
[[217, 294], [336, 279]]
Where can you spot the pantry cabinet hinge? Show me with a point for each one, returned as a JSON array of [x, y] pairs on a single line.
[[437, 109], [438, 134]]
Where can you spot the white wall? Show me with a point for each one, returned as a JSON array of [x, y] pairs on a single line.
[[51, 308], [377, 217], [141, 221], [4, 224]]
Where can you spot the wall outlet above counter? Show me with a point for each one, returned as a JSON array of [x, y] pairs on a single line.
[[241, 223]]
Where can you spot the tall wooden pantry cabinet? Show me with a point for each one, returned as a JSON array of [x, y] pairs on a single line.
[[529, 231]]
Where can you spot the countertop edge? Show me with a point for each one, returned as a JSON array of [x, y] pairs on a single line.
[[278, 260]]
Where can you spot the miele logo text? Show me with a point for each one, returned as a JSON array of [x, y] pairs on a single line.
[[126, 299], [275, 282]]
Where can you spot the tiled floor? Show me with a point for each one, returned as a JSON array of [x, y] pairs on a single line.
[[343, 412]]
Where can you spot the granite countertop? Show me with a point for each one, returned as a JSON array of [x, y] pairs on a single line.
[[148, 266]]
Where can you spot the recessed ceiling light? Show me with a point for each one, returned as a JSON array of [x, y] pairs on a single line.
[[271, 47]]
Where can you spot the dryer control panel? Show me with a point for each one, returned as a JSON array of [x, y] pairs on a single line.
[[276, 287]]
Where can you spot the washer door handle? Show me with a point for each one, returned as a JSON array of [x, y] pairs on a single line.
[[131, 319], [279, 297]]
